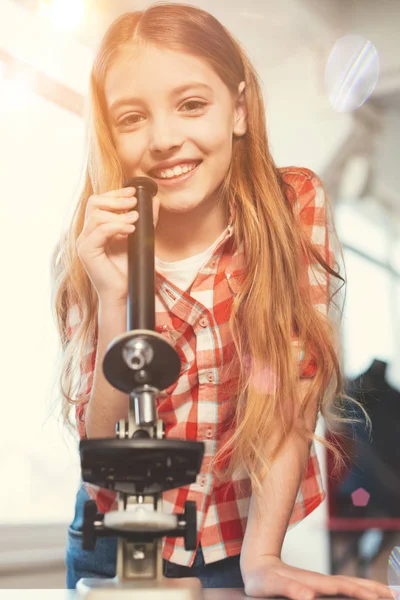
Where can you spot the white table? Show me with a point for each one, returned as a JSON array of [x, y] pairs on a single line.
[[209, 594]]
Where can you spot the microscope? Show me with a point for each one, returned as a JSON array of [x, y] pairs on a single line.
[[140, 463]]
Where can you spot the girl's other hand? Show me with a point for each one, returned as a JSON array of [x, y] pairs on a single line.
[[102, 245], [270, 577]]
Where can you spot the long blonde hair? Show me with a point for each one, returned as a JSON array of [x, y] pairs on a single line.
[[271, 304]]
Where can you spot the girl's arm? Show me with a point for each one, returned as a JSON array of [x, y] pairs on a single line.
[[282, 484], [279, 493], [264, 574], [106, 405], [100, 406]]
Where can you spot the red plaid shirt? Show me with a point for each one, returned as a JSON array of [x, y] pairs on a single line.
[[196, 405]]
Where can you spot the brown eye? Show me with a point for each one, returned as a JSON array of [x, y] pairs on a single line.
[[193, 105], [132, 119]]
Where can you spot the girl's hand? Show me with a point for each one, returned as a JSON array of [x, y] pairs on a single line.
[[103, 243], [270, 577]]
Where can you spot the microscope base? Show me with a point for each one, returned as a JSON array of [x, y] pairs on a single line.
[[188, 588]]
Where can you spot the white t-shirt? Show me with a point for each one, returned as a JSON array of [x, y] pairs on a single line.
[[182, 273]]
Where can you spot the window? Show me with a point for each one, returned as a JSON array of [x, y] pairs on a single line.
[[371, 314], [39, 467]]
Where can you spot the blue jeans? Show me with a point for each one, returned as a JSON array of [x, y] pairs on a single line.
[[101, 562]]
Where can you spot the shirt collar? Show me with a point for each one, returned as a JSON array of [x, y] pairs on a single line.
[[233, 257]]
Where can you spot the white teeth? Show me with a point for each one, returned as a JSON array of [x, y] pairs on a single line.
[[176, 171]]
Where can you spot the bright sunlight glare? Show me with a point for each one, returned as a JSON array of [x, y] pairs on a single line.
[[15, 92], [64, 15]]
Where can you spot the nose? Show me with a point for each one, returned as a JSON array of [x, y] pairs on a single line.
[[164, 135]]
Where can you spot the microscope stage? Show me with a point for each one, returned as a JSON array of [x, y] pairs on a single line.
[[140, 465]]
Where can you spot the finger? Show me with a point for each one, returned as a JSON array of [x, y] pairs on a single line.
[[334, 585], [105, 232], [337, 586], [113, 203], [315, 580], [354, 590], [101, 217], [110, 197], [375, 586], [271, 586], [291, 588], [126, 191]]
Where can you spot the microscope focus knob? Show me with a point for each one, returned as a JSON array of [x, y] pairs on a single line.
[[190, 516], [88, 529]]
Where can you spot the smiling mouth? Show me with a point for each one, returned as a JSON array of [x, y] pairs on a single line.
[[175, 173]]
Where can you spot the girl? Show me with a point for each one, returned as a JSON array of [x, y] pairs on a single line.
[[243, 267]]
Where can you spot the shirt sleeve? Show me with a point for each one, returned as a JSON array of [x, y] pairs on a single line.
[[312, 210], [86, 373]]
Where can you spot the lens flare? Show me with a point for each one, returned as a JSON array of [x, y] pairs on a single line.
[[394, 571], [262, 378], [360, 497], [352, 72]]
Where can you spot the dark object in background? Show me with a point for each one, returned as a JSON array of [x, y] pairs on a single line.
[[376, 456]]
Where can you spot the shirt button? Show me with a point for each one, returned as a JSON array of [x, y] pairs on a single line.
[[203, 322], [208, 433], [210, 377]]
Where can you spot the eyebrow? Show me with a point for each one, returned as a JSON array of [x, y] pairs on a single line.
[[176, 92]]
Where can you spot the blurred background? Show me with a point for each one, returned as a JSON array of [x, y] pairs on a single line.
[[331, 79]]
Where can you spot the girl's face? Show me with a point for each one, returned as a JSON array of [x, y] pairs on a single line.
[[172, 119]]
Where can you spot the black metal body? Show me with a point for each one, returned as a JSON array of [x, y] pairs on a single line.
[[141, 363]]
